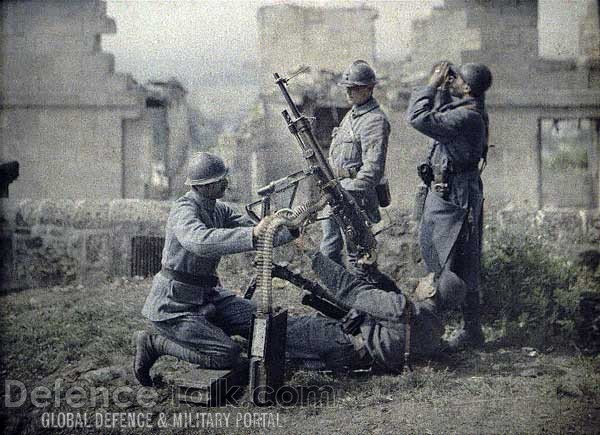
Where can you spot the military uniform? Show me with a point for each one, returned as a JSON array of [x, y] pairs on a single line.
[[357, 152], [381, 329], [451, 227], [187, 303]]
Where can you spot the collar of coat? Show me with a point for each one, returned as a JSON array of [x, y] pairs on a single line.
[[201, 201], [470, 102], [371, 104]]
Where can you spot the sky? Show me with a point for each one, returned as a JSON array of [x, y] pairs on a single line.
[[210, 45]]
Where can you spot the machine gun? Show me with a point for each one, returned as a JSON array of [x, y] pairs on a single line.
[[268, 331], [344, 209]]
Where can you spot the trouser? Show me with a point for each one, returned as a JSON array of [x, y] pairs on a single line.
[[208, 341], [208, 336], [465, 261], [320, 339]]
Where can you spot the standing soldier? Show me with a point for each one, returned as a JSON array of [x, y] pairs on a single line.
[[194, 316], [357, 156], [451, 227]]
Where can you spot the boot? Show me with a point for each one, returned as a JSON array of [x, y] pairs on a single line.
[[471, 334], [145, 357], [148, 348]]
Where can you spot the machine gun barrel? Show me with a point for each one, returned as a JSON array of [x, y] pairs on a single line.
[[350, 218]]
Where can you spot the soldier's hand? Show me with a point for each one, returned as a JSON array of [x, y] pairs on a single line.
[[261, 226], [439, 74]]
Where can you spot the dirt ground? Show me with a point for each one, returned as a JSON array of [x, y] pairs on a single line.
[[74, 341]]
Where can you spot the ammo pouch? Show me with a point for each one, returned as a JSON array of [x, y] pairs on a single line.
[[384, 197]]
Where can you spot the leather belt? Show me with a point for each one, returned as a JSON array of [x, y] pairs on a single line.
[[190, 278]]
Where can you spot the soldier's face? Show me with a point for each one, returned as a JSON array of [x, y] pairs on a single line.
[[458, 87], [215, 190], [357, 95]]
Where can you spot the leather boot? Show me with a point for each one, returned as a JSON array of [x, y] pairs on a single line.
[[471, 334], [150, 347], [145, 357]]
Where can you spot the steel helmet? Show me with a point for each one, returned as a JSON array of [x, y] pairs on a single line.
[[205, 168], [359, 73], [477, 76]]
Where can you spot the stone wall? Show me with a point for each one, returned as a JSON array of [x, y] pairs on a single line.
[[49, 242], [45, 243]]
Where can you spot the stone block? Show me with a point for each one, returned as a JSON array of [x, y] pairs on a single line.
[[517, 220], [26, 213], [24, 245], [54, 231], [75, 242], [56, 212], [560, 225], [92, 214], [97, 248]]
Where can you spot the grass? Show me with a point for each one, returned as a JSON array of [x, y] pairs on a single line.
[[67, 332]]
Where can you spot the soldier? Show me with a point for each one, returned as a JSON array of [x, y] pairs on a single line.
[[381, 327], [451, 226], [193, 314], [357, 156]]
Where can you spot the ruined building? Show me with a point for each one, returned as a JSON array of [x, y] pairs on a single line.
[[291, 36], [77, 128], [544, 113], [161, 141]]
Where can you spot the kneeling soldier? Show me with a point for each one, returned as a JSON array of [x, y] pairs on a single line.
[[194, 315]]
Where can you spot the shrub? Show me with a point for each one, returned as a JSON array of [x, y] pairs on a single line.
[[529, 289]]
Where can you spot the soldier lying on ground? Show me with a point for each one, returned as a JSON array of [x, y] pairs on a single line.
[[375, 330]]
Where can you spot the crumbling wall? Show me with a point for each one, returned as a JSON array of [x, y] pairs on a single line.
[[62, 105], [589, 31], [289, 35], [526, 90], [51, 242], [45, 243]]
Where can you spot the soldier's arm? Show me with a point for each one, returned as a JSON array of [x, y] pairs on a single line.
[[421, 114], [233, 219], [374, 141], [195, 236]]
